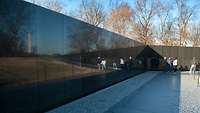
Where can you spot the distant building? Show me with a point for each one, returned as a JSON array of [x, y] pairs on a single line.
[[29, 43]]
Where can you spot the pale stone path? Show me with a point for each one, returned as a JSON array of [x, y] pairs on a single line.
[[190, 93]]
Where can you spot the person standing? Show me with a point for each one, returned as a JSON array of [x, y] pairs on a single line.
[[99, 63], [175, 64], [103, 63]]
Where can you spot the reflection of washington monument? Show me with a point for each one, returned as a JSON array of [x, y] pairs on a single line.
[[29, 43]]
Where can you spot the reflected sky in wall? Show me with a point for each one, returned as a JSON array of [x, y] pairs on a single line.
[[48, 31], [51, 32]]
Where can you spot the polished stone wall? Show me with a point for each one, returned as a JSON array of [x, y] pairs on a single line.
[[35, 74]]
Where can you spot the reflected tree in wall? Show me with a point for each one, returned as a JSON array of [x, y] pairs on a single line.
[[11, 30], [89, 38], [120, 42], [83, 39], [101, 40]]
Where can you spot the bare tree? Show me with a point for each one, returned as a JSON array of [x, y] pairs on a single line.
[[145, 11], [185, 13], [120, 18], [195, 35], [54, 5], [166, 25], [164, 18], [92, 12]]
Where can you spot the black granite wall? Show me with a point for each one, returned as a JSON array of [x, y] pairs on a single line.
[[35, 74]]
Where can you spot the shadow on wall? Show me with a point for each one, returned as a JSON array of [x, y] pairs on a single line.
[[151, 60], [144, 57]]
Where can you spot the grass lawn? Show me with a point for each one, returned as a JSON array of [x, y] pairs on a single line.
[[21, 70]]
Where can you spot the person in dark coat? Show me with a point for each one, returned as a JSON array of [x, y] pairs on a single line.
[[99, 63]]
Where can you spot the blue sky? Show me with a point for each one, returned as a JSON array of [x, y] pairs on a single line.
[[73, 5], [52, 42]]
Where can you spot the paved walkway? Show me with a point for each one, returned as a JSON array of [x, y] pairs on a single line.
[[150, 92], [160, 95], [190, 93], [101, 101]]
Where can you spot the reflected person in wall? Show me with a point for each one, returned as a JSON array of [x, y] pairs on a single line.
[[165, 64], [114, 65], [122, 63], [193, 66], [198, 81], [130, 63]]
